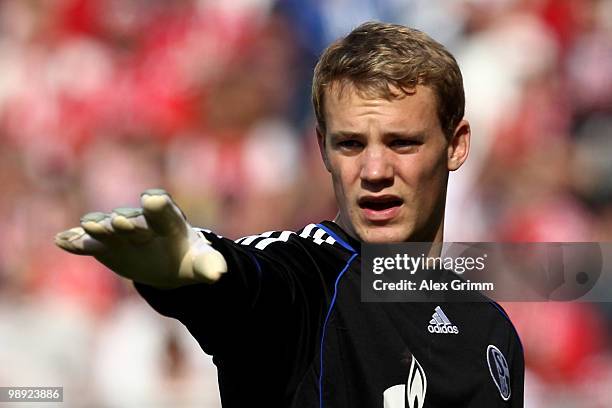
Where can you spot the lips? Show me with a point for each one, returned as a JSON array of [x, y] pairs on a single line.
[[380, 208]]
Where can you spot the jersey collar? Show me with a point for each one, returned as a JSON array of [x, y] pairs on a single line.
[[341, 236]]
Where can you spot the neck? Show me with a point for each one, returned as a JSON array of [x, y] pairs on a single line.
[[435, 236]]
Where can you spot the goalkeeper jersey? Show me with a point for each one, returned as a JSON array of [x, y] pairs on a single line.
[[287, 328]]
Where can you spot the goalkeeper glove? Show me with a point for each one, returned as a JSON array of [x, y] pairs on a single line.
[[153, 245]]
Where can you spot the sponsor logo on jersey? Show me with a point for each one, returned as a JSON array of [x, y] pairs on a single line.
[[441, 324], [412, 392], [500, 372]]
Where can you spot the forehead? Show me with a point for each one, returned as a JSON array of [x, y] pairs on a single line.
[[347, 107]]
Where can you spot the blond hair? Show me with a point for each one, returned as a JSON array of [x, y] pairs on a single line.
[[378, 57]]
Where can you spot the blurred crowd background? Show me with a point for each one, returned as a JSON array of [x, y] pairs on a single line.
[[101, 99]]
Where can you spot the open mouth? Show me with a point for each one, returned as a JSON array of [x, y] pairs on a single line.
[[381, 203]]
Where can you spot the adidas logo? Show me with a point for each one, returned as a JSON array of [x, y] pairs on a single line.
[[440, 324]]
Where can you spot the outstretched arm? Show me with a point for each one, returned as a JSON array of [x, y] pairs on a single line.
[[154, 244]]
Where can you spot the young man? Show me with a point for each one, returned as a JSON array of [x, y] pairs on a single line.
[[281, 312]]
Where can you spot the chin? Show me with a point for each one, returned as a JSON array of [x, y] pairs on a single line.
[[383, 235]]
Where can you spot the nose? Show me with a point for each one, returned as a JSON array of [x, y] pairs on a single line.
[[376, 167]]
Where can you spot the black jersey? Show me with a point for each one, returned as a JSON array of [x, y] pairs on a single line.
[[287, 328]]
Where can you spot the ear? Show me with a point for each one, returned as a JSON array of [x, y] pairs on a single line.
[[321, 142], [459, 146]]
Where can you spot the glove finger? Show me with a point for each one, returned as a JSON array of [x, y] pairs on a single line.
[[131, 224], [98, 225], [162, 214], [77, 241]]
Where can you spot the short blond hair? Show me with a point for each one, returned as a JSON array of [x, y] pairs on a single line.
[[378, 57]]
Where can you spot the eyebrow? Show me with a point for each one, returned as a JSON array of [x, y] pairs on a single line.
[[344, 135], [419, 135]]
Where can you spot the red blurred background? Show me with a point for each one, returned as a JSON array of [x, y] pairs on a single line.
[[101, 99]]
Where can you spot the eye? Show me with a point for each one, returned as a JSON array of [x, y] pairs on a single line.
[[350, 144], [404, 143]]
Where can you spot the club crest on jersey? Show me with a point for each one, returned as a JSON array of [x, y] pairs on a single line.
[[411, 394], [441, 324], [500, 372]]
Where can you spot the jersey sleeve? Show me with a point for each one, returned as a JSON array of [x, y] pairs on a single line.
[[275, 286]]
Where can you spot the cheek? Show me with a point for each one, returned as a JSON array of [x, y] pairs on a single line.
[[434, 184], [344, 177], [425, 174], [435, 159]]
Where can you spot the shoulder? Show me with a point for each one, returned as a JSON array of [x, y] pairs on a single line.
[[503, 320], [314, 244], [492, 321], [309, 237], [488, 325]]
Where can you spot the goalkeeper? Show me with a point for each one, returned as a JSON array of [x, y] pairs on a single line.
[[281, 312]]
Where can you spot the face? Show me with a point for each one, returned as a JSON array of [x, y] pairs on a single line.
[[389, 161]]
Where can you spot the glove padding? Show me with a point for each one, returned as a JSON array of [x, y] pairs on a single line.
[[153, 245]]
